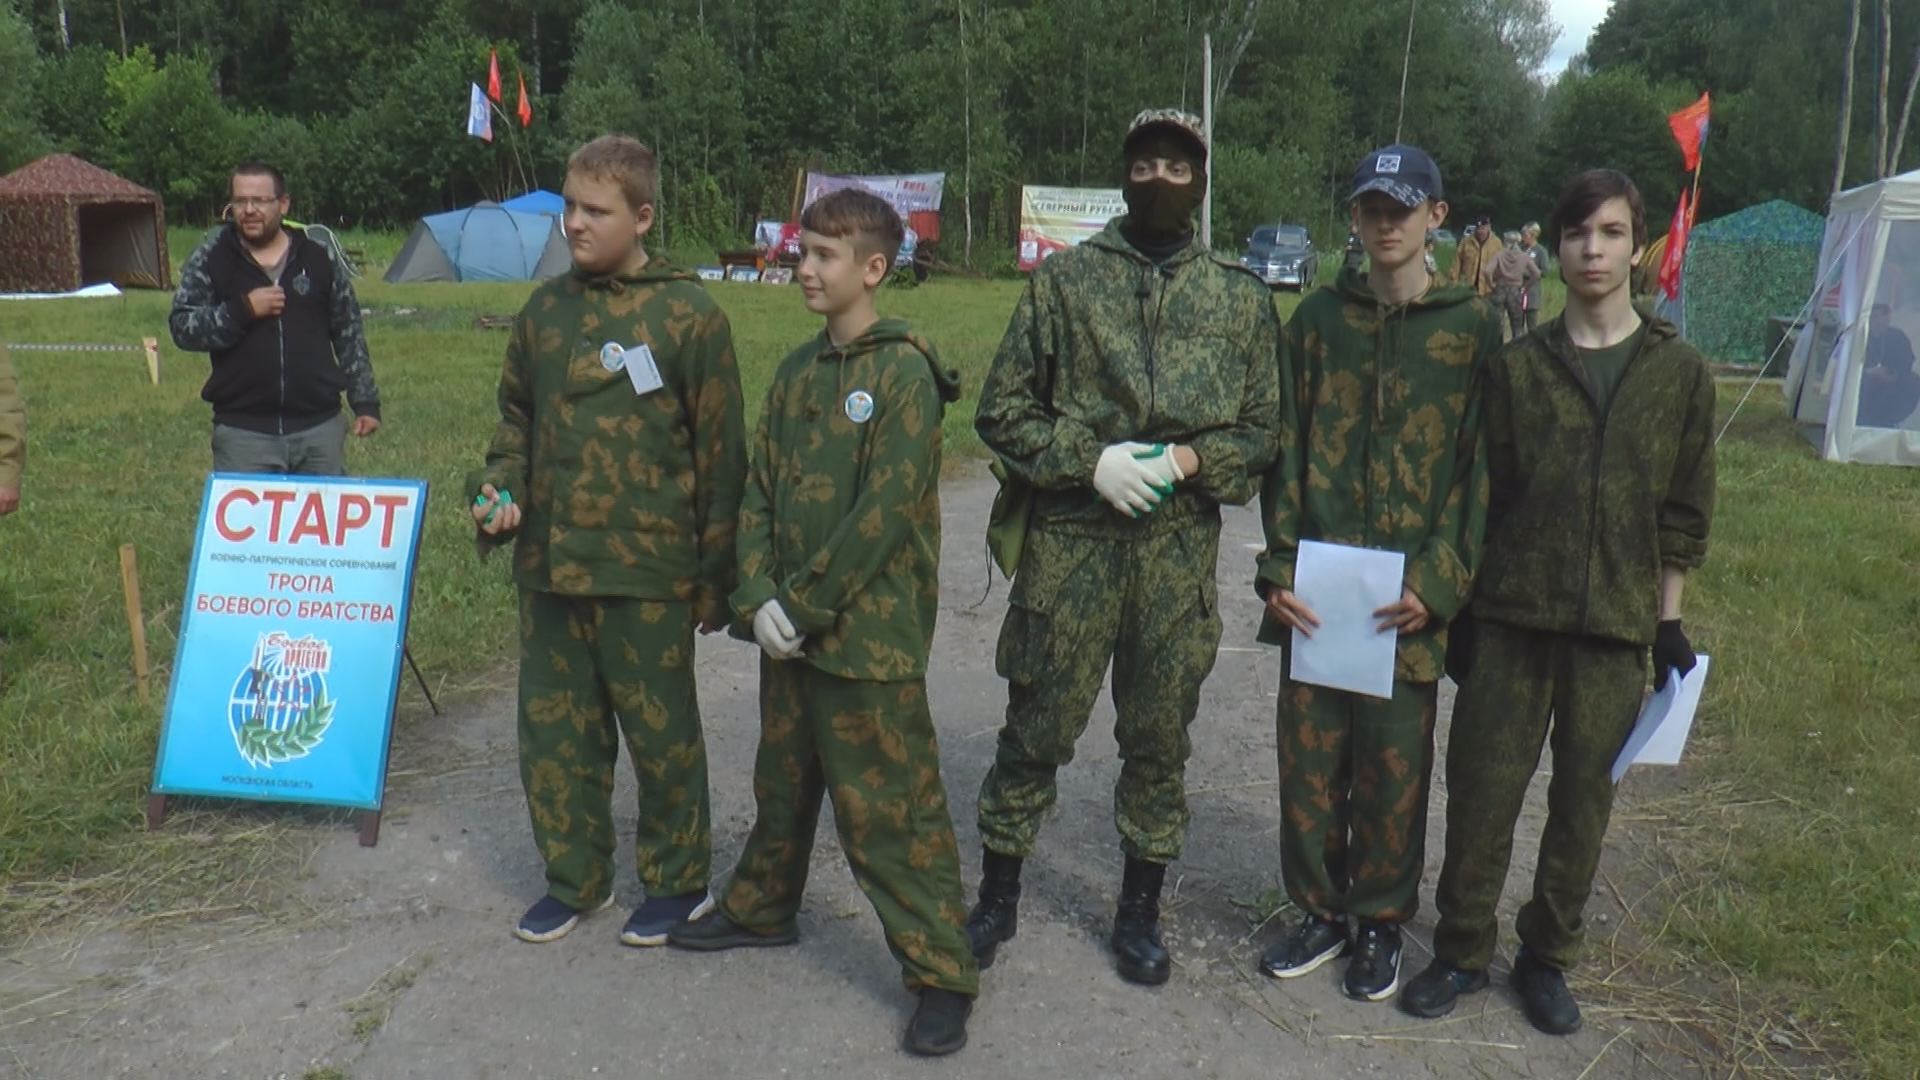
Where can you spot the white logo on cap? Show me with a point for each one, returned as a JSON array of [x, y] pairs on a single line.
[[1387, 163]]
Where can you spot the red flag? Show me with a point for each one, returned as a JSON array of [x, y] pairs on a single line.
[[493, 74], [1675, 259], [526, 107], [1690, 129]]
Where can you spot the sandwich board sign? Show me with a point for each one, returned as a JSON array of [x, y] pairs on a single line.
[[289, 658]]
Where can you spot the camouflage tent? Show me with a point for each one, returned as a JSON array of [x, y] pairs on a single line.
[[1743, 269], [65, 223]]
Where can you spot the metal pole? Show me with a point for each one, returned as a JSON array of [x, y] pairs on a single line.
[[1206, 120], [1406, 61]]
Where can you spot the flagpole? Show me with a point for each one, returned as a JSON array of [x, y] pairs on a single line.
[[514, 147]]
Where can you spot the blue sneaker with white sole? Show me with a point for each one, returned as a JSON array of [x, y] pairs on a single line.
[[659, 916], [550, 920]]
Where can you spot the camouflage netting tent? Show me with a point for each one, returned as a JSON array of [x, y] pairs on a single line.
[[65, 223], [1743, 269]]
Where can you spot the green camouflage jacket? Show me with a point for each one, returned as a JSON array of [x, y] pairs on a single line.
[[1105, 347], [1588, 507], [841, 520], [13, 425], [1380, 446], [622, 494]]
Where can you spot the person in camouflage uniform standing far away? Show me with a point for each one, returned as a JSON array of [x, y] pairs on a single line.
[[1379, 448], [1135, 391], [1599, 429], [617, 469], [840, 584]]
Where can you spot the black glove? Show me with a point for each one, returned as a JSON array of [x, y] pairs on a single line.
[[1460, 643], [1671, 650]]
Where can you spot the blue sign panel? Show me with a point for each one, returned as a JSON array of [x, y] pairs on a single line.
[[291, 643]]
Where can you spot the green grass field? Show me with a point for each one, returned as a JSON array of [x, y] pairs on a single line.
[[1799, 867]]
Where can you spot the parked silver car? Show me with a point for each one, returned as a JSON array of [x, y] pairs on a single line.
[[1283, 255]]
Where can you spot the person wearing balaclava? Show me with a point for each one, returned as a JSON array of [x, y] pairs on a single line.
[[1136, 390]]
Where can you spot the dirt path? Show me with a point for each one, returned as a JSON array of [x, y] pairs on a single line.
[[396, 962]]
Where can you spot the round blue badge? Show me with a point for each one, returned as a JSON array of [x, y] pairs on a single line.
[[859, 406], [612, 355]]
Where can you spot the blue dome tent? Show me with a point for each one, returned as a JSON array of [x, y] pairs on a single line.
[[484, 242], [537, 201]]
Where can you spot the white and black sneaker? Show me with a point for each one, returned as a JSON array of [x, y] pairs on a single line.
[[1314, 942], [1374, 972]]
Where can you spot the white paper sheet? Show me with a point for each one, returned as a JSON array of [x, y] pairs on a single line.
[[1345, 586], [91, 292], [1660, 734]]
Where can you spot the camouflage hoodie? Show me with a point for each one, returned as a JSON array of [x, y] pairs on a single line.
[[1589, 506], [1107, 347], [622, 494], [841, 520], [1380, 446]]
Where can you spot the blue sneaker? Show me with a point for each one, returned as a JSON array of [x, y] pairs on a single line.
[[551, 920], [653, 920]]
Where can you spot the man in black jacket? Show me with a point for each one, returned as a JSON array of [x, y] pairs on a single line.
[[278, 314]]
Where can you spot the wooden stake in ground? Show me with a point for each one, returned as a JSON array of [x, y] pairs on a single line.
[[136, 622], [152, 348]]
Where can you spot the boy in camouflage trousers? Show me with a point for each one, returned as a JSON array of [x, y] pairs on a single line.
[[617, 470], [1379, 448], [1599, 429], [839, 582], [1135, 391]]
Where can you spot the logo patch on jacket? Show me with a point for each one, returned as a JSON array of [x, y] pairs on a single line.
[[859, 406], [302, 284]]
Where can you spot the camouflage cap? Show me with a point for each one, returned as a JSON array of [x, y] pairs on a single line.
[[1175, 121]]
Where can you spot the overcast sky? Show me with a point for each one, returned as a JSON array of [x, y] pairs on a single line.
[[1577, 18]]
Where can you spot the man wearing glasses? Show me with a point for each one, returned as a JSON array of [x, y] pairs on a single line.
[[277, 313]]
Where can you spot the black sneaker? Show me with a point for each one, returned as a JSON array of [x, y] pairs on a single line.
[[1544, 995], [1314, 942], [717, 932], [1374, 972], [1432, 993]]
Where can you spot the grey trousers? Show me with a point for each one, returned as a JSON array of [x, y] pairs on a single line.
[[317, 451]]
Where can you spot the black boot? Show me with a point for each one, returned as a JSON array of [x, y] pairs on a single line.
[[939, 1025], [997, 916], [1136, 925]]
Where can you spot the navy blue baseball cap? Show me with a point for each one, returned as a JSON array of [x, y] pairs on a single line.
[[1407, 173]]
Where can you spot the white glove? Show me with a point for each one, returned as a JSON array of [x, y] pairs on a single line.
[[1160, 460], [775, 632], [1125, 481]]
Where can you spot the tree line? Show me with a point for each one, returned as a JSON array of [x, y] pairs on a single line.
[[361, 102]]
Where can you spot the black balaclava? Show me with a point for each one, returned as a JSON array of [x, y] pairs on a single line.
[[1160, 213]]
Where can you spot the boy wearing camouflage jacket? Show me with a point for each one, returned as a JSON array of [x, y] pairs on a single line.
[[617, 470], [1599, 429], [1135, 391], [839, 581], [1379, 448]]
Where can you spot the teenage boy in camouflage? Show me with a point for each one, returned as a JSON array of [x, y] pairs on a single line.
[[1135, 391], [1379, 448], [1599, 429], [617, 470], [840, 583]]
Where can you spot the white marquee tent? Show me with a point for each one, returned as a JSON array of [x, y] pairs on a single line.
[[1852, 382]]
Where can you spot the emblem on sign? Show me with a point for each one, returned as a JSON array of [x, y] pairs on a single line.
[[279, 709], [859, 406]]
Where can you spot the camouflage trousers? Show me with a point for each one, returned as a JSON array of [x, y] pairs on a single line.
[[594, 669], [1149, 605], [870, 746], [1523, 681], [1510, 303], [1354, 778]]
